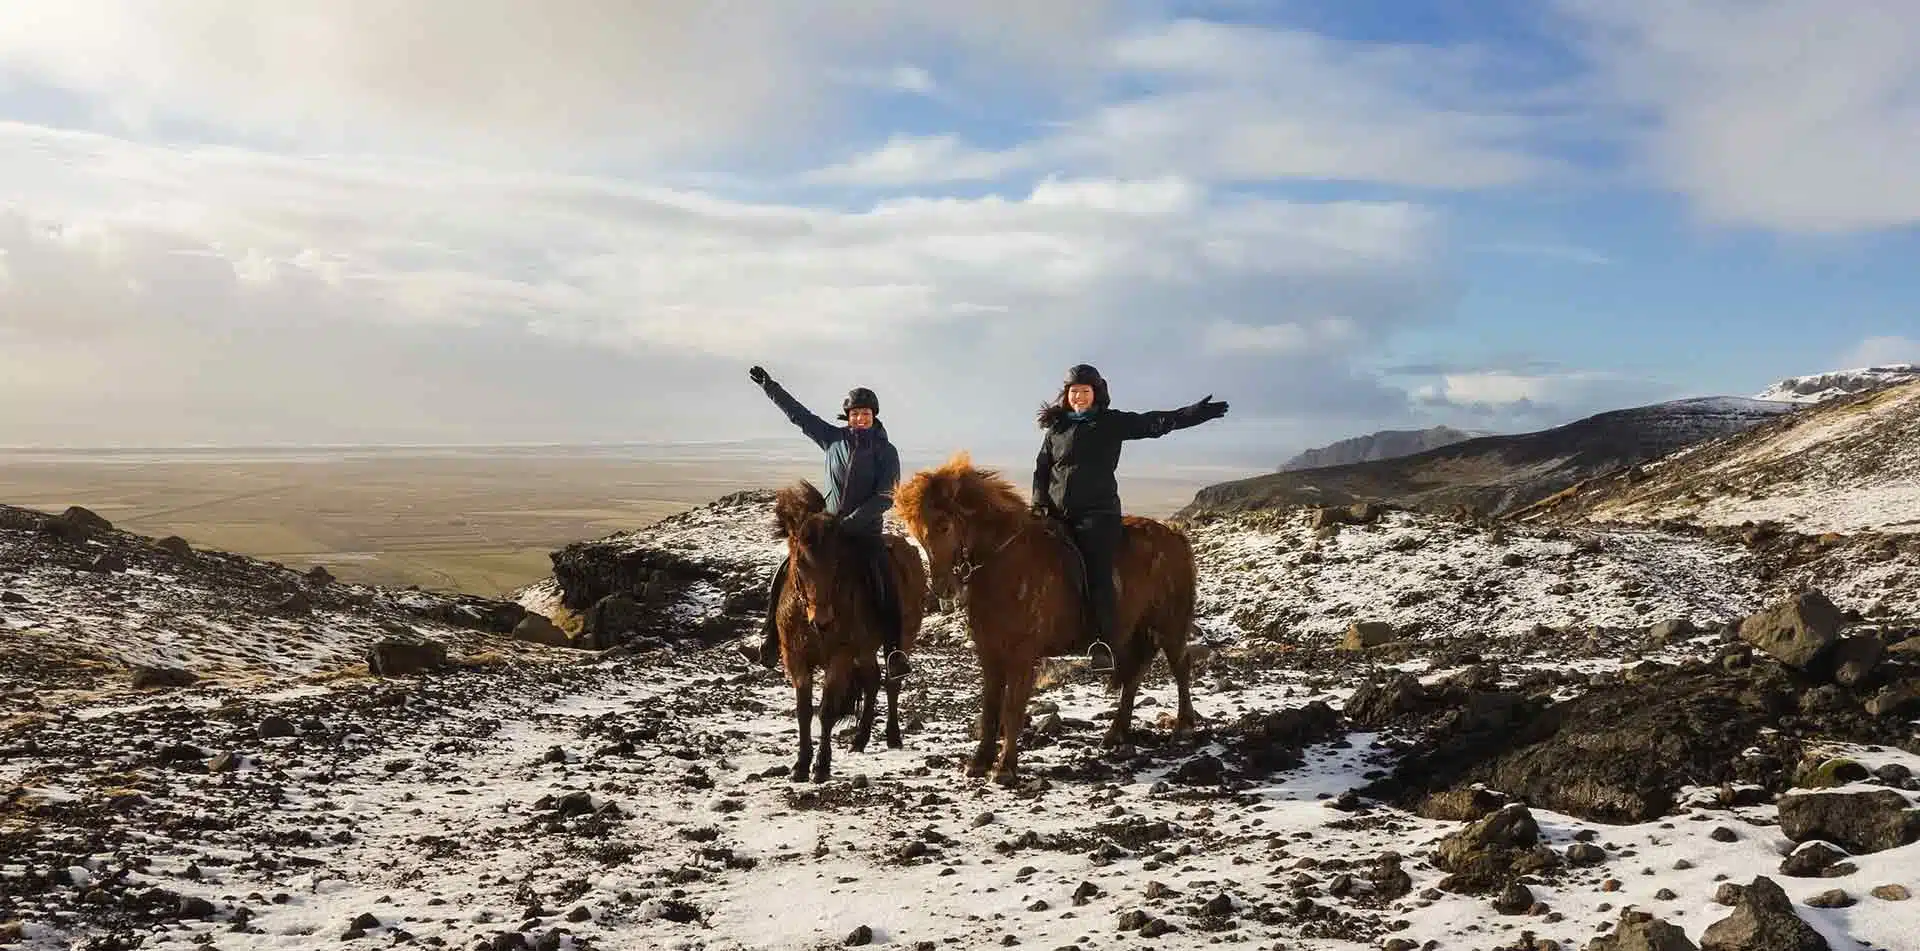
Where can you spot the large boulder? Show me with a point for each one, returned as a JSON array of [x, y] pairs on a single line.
[[1493, 852], [1364, 634], [1856, 658], [1640, 931], [394, 658], [1796, 632], [1860, 822], [539, 630], [1764, 920]]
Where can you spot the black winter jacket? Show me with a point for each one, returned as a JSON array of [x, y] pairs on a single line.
[[1075, 471]]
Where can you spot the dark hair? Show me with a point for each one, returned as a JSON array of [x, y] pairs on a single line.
[[1080, 375]]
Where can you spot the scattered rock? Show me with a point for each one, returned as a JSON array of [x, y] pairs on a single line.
[[1796, 632], [1763, 920]]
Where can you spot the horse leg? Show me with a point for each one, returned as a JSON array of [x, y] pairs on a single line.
[[869, 679], [803, 710], [1182, 666], [1013, 716], [893, 715], [836, 701], [992, 686]]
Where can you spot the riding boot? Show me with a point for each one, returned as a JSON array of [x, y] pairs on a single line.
[[769, 650], [1098, 537], [887, 602]]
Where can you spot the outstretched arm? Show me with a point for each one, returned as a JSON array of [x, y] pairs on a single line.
[[819, 430], [870, 516], [1158, 423]]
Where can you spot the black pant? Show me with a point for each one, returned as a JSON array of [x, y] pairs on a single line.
[[1097, 534], [871, 551]]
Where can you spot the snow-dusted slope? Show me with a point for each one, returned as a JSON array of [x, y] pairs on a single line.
[[1846, 465], [1820, 387]]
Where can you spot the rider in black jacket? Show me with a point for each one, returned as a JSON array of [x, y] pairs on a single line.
[[1073, 478]]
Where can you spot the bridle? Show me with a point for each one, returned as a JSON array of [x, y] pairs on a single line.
[[964, 566]]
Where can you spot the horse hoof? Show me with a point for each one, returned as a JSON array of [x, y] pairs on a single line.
[[1006, 777]]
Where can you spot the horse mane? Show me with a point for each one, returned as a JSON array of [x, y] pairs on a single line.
[[792, 505], [958, 489]]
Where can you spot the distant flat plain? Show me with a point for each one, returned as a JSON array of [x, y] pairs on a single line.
[[476, 519]]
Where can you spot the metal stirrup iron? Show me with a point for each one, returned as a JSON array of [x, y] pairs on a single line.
[[1094, 662]]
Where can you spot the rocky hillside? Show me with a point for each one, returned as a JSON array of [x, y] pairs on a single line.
[[1418, 734], [1820, 387], [1386, 444], [1494, 474], [1849, 465]]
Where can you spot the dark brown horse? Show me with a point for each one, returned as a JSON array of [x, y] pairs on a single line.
[[828, 621], [1010, 570]]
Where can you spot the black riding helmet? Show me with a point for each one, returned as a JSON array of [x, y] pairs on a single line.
[[1084, 374], [859, 398]]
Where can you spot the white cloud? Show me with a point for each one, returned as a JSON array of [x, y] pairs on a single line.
[[1790, 115], [235, 291], [503, 78], [1234, 103], [1307, 336], [1880, 351]]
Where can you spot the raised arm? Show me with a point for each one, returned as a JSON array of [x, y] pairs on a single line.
[[819, 430], [870, 516], [1158, 423]]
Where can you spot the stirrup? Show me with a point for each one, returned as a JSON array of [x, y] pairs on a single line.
[[886, 672], [1094, 662]]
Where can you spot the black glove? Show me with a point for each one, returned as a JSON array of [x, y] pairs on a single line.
[[758, 375], [1207, 408]]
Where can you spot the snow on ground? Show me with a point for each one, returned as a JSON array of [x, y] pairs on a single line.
[[1821, 387], [1842, 468], [1269, 573]]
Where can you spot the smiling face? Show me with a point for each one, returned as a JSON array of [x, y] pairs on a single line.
[[860, 418], [1080, 397]]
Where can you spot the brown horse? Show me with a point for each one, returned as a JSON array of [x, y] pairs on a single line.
[[827, 620], [1010, 570]]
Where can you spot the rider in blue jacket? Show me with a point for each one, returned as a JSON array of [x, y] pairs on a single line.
[[863, 469]]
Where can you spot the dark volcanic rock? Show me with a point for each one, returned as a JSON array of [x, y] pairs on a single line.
[[393, 658], [1619, 752], [1764, 920], [1493, 852], [1856, 658], [144, 678], [1861, 822], [1795, 633]]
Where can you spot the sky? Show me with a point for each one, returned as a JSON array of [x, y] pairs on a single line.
[[488, 221]]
